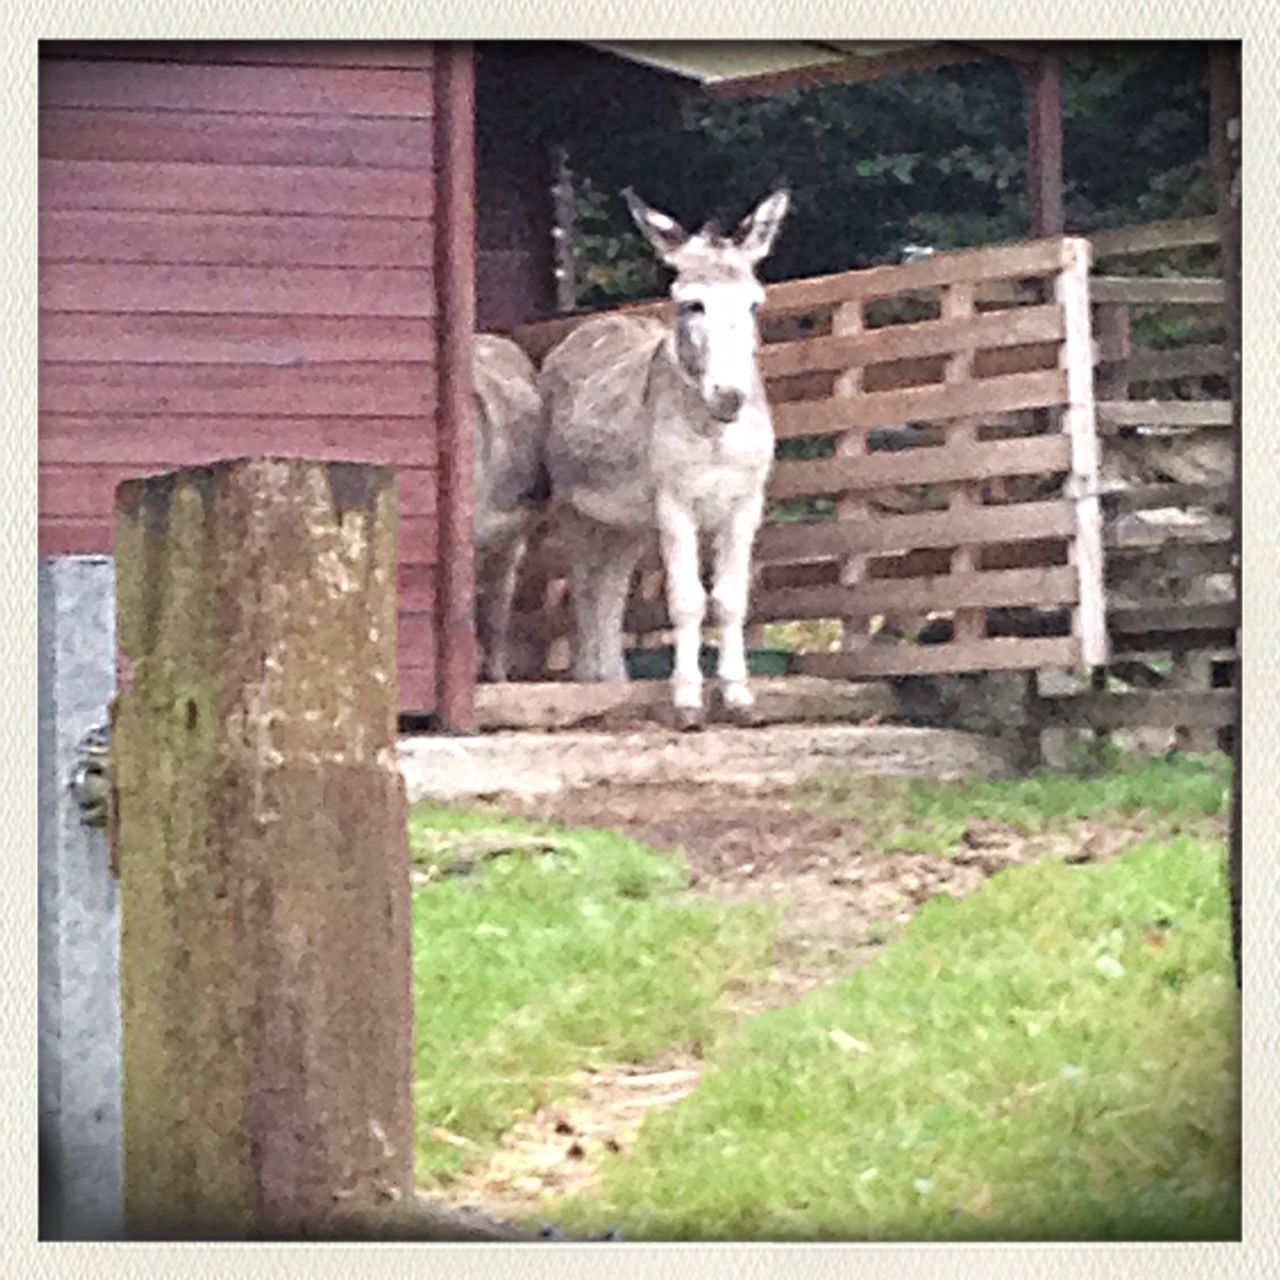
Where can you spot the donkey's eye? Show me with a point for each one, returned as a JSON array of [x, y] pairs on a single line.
[[691, 308]]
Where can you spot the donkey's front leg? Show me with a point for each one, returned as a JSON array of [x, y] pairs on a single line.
[[730, 594], [686, 602]]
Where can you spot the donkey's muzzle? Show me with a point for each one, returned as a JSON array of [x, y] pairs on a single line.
[[724, 404]]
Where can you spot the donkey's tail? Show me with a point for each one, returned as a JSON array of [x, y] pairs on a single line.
[[538, 491]]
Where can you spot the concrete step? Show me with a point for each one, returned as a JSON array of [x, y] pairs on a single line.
[[554, 705], [524, 762]]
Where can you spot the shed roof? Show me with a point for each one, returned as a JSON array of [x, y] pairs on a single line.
[[763, 66]]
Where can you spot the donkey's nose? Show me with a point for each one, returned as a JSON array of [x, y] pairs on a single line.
[[725, 403]]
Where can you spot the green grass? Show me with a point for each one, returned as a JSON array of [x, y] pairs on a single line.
[[926, 817], [1054, 1057], [574, 950]]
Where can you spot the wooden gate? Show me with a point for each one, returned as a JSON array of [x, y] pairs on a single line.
[[938, 468], [1164, 417]]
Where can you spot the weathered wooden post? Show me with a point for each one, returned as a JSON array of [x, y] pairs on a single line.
[[1225, 109], [259, 827]]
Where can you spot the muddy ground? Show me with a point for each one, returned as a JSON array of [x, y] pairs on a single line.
[[841, 898]]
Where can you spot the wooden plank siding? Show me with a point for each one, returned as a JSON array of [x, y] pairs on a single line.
[[238, 247]]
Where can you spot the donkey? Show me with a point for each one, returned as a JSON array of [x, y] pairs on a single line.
[[510, 485], [652, 427]]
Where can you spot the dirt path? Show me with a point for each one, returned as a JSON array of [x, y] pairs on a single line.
[[840, 896]]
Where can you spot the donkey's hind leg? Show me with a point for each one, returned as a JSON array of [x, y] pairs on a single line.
[[613, 593], [500, 570], [584, 550], [602, 559]]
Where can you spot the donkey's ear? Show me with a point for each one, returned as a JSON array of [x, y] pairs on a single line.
[[665, 234], [759, 229]]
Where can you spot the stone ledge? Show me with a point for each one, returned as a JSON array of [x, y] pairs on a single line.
[[532, 763], [562, 704]]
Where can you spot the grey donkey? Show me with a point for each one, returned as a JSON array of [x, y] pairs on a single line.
[[665, 428], [511, 488]]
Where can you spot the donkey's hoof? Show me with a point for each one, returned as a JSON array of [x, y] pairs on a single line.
[[745, 716], [689, 719], [739, 707]]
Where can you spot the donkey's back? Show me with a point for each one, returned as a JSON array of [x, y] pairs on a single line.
[[509, 432], [599, 428]]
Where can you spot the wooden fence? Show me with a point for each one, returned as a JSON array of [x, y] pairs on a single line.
[[1164, 415], [939, 463]]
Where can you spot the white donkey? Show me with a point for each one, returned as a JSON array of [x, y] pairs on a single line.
[[656, 427], [510, 485]]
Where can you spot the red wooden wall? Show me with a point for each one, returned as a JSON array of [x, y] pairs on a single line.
[[238, 255]]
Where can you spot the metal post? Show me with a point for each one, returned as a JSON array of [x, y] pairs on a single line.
[[79, 916], [562, 231]]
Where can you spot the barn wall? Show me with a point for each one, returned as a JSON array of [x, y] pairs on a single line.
[[237, 257]]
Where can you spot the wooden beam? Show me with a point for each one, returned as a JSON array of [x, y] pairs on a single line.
[[455, 268], [1184, 289], [977, 461], [259, 826], [1017, 52], [1079, 424], [1150, 237], [1171, 709], [1044, 144], [880, 660], [1113, 414]]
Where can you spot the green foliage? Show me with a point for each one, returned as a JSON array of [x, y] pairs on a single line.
[[615, 263], [1136, 133], [561, 950], [806, 448], [1053, 1058], [935, 157]]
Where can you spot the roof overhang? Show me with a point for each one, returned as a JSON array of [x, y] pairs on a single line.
[[761, 67]]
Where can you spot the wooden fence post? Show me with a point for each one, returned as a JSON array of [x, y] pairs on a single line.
[[260, 831], [1226, 111], [958, 303], [1079, 422], [846, 319]]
